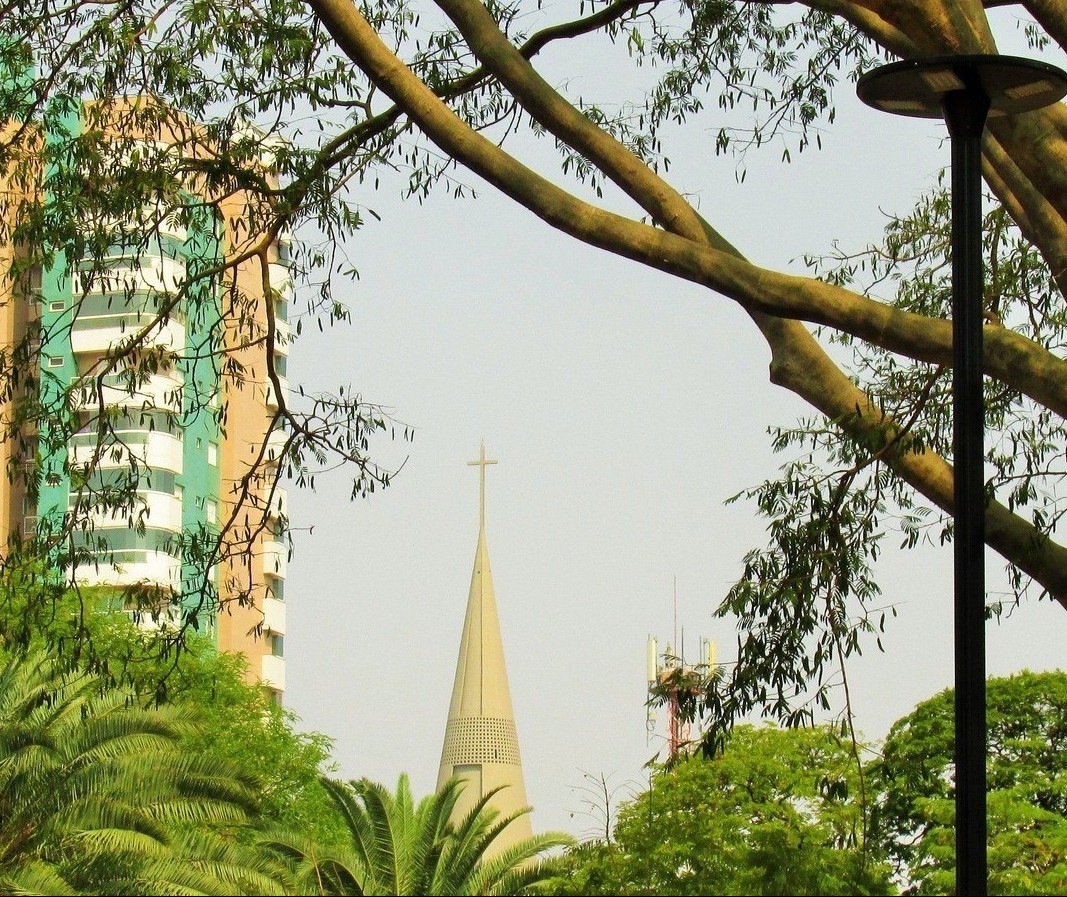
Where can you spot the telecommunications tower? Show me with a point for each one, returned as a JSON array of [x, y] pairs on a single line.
[[671, 681]]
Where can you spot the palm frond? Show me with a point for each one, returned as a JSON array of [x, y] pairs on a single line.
[[98, 794]]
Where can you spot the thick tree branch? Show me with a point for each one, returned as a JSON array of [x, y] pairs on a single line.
[[762, 292], [1038, 148], [1040, 222], [377, 124], [561, 118], [882, 32], [1012, 357], [808, 371], [939, 27]]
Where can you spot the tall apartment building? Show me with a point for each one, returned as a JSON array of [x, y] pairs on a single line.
[[177, 404]]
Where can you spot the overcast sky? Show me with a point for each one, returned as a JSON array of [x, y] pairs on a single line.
[[624, 407]]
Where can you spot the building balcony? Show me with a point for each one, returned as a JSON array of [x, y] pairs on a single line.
[[149, 274], [282, 336], [274, 616], [276, 440], [152, 567], [159, 510], [277, 504], [271, 397], [281, 281], [100, 333], [171, 227], [275, 559], [273, 672], [285, 246], [133, 250], [162, 391], [168, 225], [148, 448], [151, 219]]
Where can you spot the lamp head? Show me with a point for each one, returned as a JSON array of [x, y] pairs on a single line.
[[918, 87]]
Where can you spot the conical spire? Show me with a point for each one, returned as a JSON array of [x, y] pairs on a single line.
[[481, 744]]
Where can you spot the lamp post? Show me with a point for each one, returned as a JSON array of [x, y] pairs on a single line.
[[965, 90]]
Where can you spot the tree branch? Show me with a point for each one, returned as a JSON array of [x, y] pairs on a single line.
[[796, 355]]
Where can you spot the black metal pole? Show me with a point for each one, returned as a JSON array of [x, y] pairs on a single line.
[[965, 114], [962, 88]]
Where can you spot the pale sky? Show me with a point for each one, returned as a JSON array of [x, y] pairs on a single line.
[[624, 407]]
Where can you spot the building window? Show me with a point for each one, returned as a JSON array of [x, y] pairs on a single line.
[[211, 511], [58, 305], [277, 645], [213, 454], [55, 361]]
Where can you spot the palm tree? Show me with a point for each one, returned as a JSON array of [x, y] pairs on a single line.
[[399, 847], [97, 795]]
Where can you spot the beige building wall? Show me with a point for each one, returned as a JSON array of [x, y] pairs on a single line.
[[17, 308], [12, 329], [254, 501]]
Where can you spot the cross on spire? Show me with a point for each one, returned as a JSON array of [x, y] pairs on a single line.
[[481, 462]]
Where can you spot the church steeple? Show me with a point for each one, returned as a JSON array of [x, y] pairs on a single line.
[[481, 743]]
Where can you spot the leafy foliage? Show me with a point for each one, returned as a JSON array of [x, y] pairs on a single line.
[[778, 812], [101, 797], [243, 726], [809, 599], [237, 723], [1026, 771]]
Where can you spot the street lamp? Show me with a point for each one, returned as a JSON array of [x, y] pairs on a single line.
[[965, 90]]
